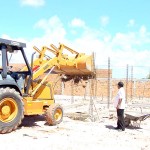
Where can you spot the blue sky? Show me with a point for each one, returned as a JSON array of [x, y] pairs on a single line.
[[109, 28]]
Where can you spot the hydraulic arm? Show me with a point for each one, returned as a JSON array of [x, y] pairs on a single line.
[[79, 64]]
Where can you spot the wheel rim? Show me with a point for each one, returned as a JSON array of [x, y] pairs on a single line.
[[8, 110], [58, 114]]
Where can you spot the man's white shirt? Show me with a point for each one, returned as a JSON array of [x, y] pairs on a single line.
[[120, 95]]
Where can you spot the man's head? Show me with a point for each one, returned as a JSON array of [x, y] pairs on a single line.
[[120, 84]]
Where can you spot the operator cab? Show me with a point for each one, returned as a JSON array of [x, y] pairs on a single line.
[[12, 60]]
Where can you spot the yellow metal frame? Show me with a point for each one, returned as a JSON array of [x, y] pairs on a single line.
[[41, 94]]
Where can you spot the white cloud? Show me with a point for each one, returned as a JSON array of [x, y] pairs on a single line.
[[124, 40], [131, 23], [5, 36], [122, 48], [53, 28], [77, 23], [104, 20], [35, 3], [143, 30]]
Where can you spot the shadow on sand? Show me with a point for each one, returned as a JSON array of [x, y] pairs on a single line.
[[30, 121], [109, 126], [129, 127]]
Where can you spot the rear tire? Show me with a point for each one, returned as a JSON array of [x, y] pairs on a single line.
[[11, 110], [54, 114]]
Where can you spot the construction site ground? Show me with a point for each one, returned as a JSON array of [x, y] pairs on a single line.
[[87, 124]]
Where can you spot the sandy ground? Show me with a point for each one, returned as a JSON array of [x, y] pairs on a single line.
[[72, 134]]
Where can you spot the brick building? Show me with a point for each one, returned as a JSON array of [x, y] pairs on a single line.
[[135, 88]]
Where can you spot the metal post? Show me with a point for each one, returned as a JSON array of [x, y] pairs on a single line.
[[95, 95], [131, 83], [95, 76], [143, 90], [127, 83], [92, 92], [91, 100], [62, 88], [72, 91], [108, 82]]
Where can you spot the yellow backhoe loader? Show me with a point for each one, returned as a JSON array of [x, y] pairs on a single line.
[[26, 91]]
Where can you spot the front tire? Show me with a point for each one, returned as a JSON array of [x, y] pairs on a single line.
[[11, 110], [54, 114]]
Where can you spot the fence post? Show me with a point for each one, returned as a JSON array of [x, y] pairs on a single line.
[[127, 83], [72, 91], [108, 83], [131, 83]]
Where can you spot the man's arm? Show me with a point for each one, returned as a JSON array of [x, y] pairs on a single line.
[[119, 102]]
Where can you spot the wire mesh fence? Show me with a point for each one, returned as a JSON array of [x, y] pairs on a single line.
[[136, 81], [135, 78], [103, 88]]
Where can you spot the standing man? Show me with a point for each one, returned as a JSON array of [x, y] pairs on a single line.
[[120, 106]]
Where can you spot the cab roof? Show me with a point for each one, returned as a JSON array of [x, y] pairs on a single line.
[[17, 45]]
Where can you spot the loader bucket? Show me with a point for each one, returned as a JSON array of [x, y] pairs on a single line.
[[82, 65], [77, 64]]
